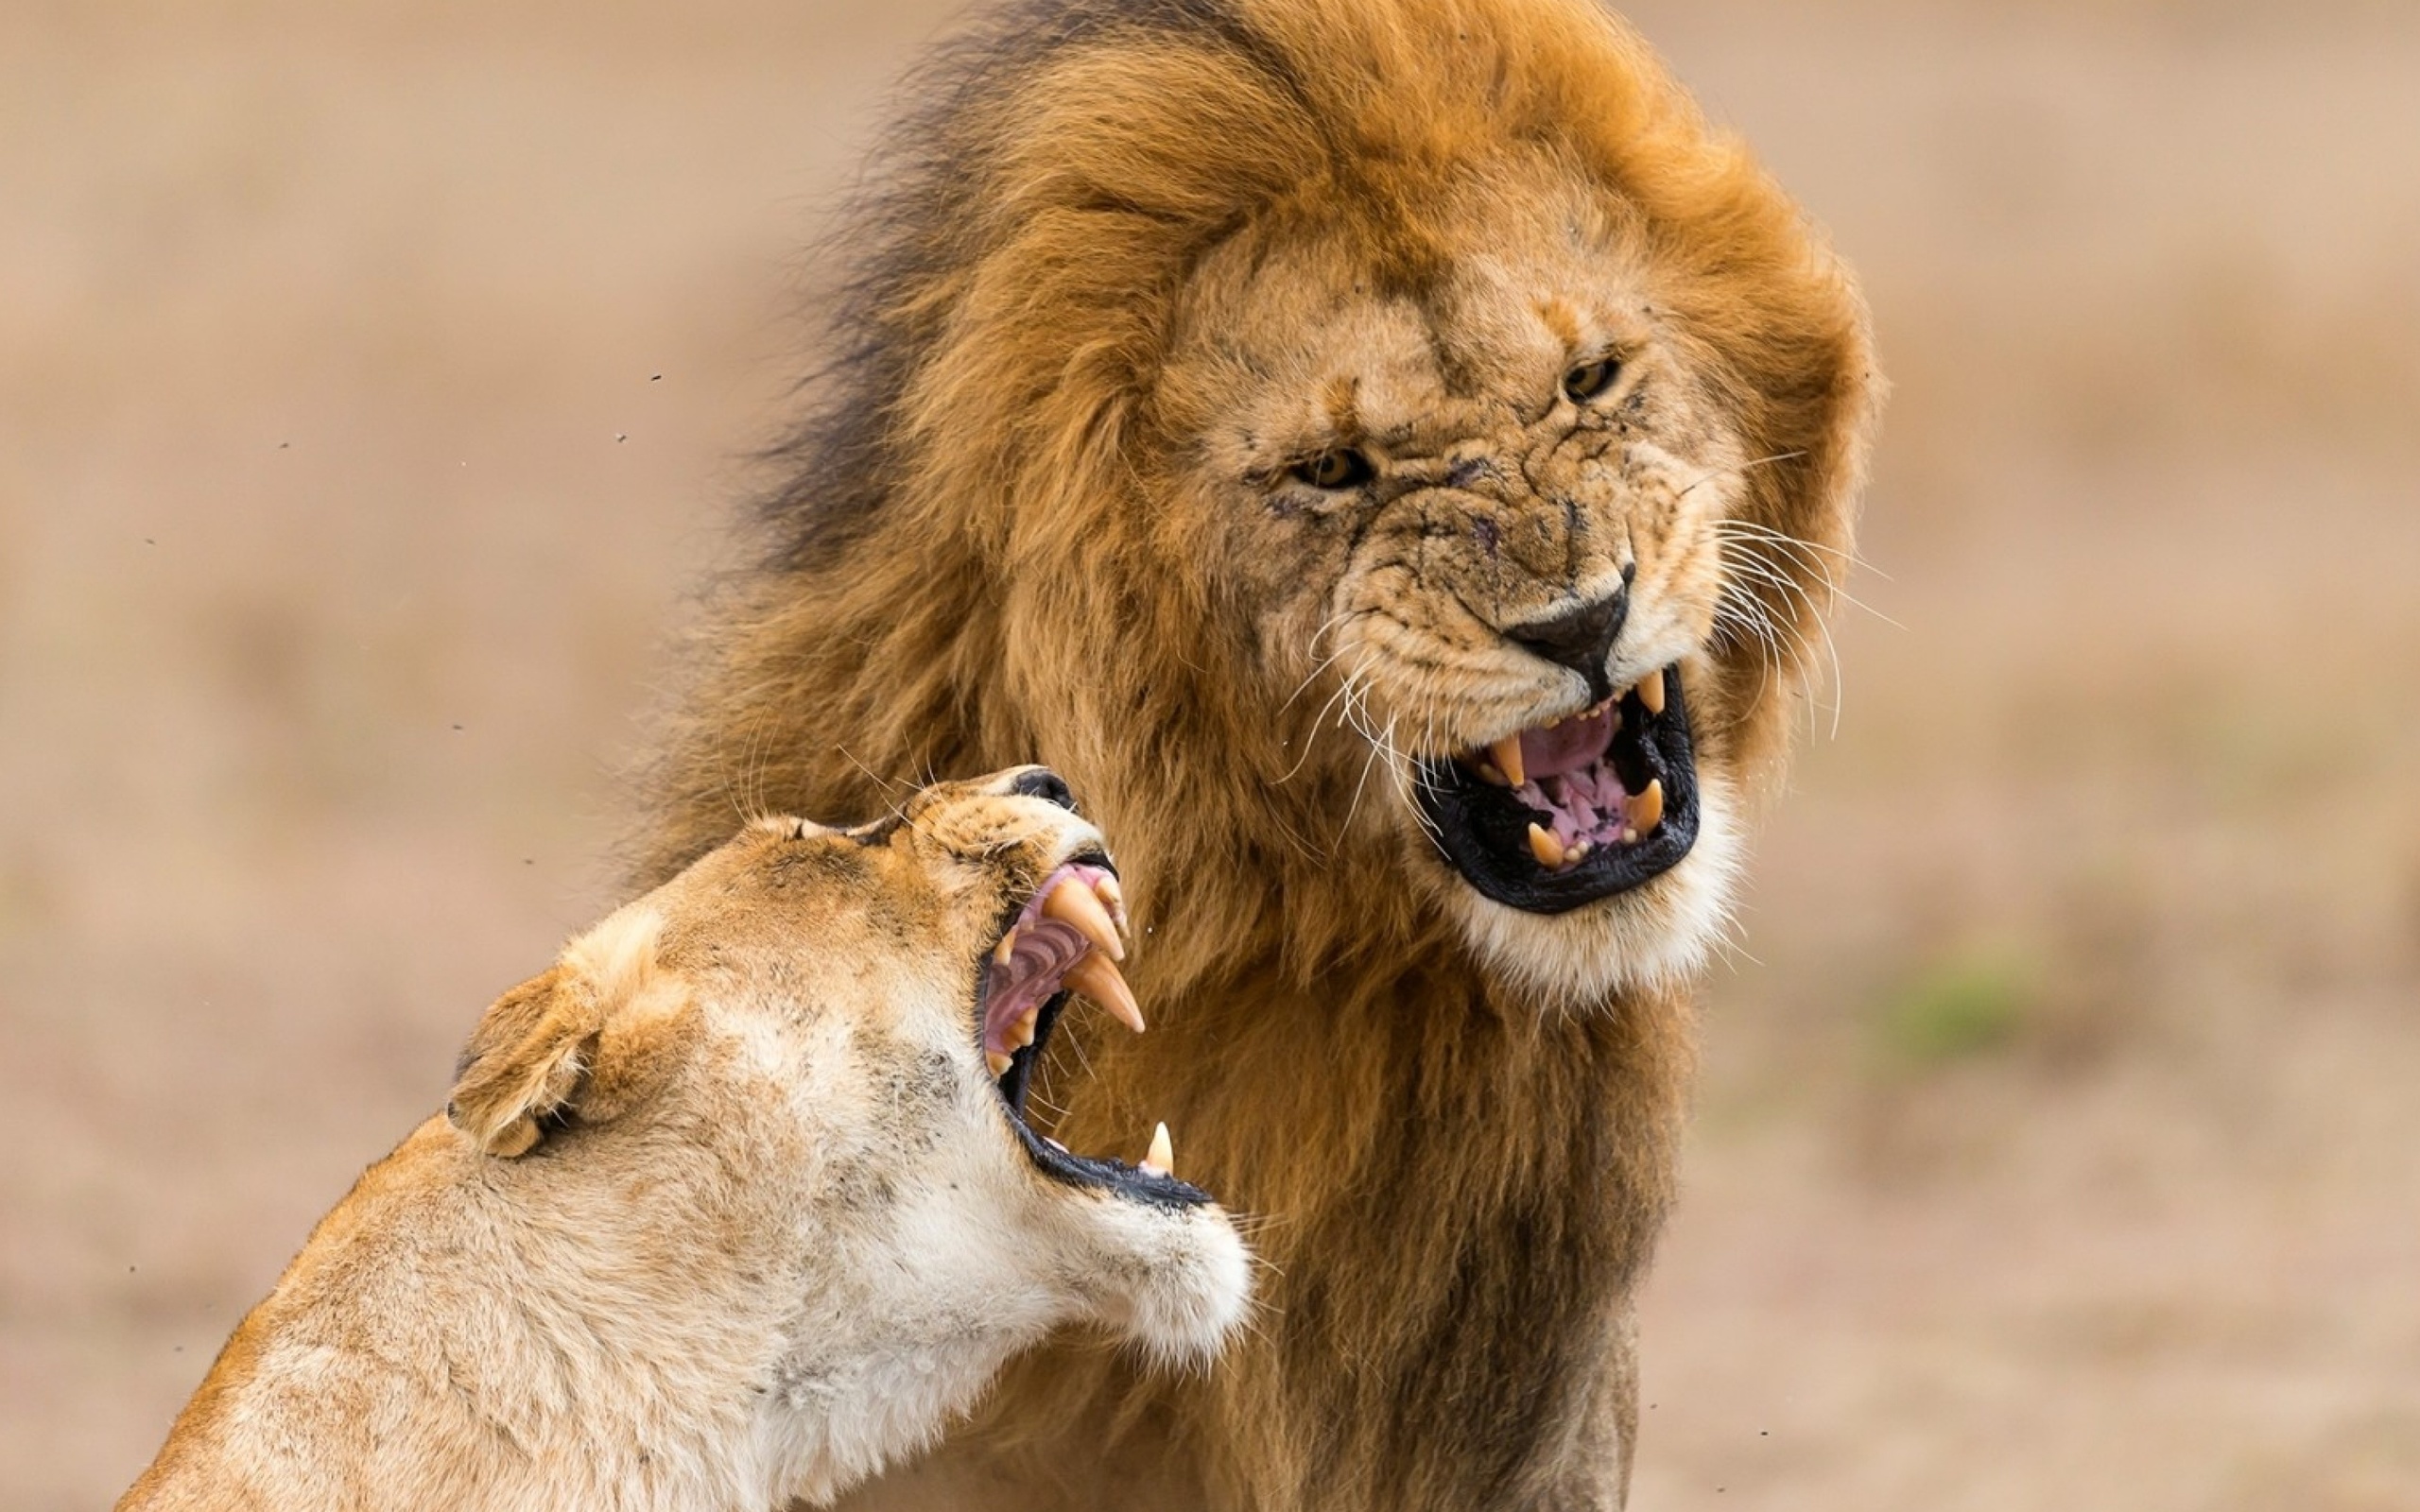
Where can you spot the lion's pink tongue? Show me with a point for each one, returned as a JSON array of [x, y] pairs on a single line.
[[1568, 747]]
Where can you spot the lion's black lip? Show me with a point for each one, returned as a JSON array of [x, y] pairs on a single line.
[[1118, 1178], [1482, 830]]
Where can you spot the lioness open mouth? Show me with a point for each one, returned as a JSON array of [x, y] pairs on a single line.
[[1557, 817], [1068, 937]]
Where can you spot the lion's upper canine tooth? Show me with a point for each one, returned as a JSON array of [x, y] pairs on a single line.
[[1095, 978], [1647, 809], [1074, 905], [1650, 691], [1161, 1158], [1543, 845], [1007, 947], [998, 1062], [1507, 753]]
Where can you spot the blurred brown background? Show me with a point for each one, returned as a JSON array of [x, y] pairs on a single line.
[[2060, 1139]]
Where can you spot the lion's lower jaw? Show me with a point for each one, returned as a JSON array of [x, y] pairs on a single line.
[[1657, 935]]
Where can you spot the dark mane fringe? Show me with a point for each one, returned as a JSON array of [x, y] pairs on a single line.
[[903, 226]]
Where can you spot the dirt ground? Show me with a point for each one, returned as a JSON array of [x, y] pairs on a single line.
[[377, 380]]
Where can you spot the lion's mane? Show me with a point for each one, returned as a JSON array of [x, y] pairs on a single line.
[[982, 555]]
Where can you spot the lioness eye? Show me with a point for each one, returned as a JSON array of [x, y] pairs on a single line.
[[1590, 379], [1339, 469]]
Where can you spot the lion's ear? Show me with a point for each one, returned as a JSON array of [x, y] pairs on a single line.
[[556, 1043]]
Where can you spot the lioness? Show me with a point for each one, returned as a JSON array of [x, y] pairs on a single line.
[[727, 1206]]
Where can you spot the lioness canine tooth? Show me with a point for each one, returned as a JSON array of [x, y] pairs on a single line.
[[1095, 978], [1650, 691], [1007, 947], [1508, 760], [1076, 907], [1161, 1158]]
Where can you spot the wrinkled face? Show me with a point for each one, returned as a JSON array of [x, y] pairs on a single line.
[[1478, 494]]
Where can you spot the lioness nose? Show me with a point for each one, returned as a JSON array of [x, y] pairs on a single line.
[[1040, 782], [1579, 638]]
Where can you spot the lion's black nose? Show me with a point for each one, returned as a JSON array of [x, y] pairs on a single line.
[[1581, 638], [1040, 782]]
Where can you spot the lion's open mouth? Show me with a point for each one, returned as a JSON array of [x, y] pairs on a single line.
[[1067, 939], [1555, 817]]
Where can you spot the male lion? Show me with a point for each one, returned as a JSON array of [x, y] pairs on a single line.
[[1420, 449], [726, 1209]]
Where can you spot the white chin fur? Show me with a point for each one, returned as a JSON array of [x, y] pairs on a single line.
[[1652, 936], [1190, 1280]]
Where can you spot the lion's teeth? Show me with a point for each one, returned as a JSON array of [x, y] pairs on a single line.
[[1075, 905], [1161, 1158], [1647, 809], [998, 1062], [1507, 753], [1007, 947], [1650, 691], [1095, 978], [1543, 845], [1021, 1033], [1486, 769], [1054, 1145], [1112, 898]]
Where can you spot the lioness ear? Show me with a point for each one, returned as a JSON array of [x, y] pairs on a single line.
[[540, 1050]]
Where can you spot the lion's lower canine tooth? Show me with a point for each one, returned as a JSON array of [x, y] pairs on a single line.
[[1161, 1158], [1543, 845], [1650, 691], [1647, 810], [998, 1062], [1007, 947], [1486, 769], [1095, 978], [1076, 907], [1507, 753]]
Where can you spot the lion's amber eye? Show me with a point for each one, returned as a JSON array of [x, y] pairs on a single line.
[[1590, 379], [1343, 468]]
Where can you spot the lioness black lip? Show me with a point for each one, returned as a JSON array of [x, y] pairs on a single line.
[[1605, 799]]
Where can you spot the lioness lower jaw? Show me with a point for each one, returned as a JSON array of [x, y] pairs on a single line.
[[1069, 936], [1657, 933]]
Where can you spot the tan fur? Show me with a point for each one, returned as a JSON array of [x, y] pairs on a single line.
[[1130, 262], [724, 1210]]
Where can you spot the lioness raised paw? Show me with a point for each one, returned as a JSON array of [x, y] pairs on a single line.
[[735, 1202]]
